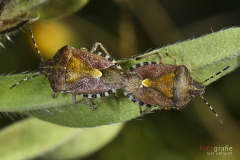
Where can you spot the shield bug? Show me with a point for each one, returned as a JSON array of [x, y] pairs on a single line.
[[78, 71], [153, 84]]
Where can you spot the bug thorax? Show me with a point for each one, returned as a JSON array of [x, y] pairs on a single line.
[[132, 82], [196, 89], [45, 68]]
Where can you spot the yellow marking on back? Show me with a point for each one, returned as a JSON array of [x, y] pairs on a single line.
[[164, 84], [76, 69]]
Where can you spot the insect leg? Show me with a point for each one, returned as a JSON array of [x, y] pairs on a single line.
[[94, 48], [171, 56], [90, 104], [145, 111], [152, 54]]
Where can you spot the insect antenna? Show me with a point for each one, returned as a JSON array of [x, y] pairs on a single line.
[[212, 109], [24, 80], [216, 74], [36, 45], [206, 101]]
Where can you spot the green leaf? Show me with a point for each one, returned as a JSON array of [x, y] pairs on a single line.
[[31, 137], [15, 14], [88, 140], [14, 9], [204, 57], [46, 8], [61, 8]]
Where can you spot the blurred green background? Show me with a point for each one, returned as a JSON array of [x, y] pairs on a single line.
[[131, 27]]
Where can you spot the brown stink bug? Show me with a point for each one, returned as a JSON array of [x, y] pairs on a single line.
[[151, 84], [78, 71]]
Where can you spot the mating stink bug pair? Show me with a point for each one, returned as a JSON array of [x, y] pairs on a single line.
[[151, 84], [78, 71], [94, 75]]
